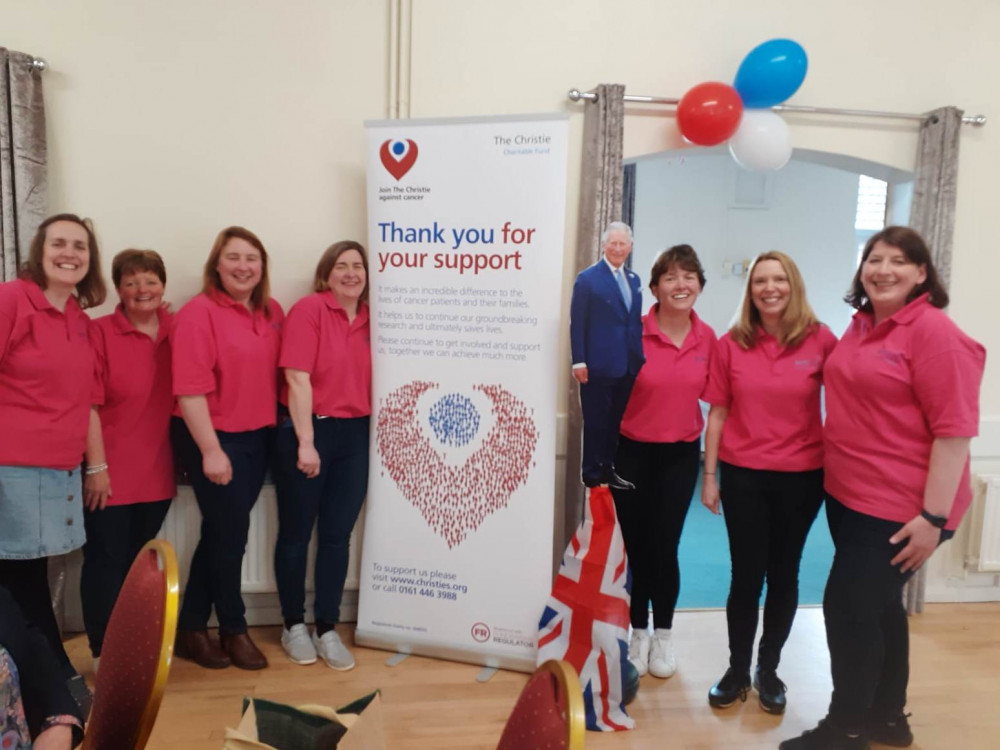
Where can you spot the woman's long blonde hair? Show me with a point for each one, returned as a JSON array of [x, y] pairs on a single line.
[[798, 320]]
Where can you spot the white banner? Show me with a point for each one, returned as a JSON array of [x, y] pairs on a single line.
[[465, 229]]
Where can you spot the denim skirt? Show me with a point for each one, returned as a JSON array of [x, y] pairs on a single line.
[[41, 512]]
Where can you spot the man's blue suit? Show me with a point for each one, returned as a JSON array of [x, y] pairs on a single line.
[[606, 337]]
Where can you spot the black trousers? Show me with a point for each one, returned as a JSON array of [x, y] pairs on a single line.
[[28, 584], [216, 567], [866, 626], [114, 537], [768, 516], [652, 519], [603, 402], [42, 679]]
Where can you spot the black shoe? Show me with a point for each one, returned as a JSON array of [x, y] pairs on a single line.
[[592, 481], [615, 482], [896, 733], [770, 690], [733, 685], [825, 737]]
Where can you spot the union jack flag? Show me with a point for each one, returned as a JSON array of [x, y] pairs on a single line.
[[586, 619]]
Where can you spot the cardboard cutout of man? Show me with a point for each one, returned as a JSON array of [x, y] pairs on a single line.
[[606, 340]]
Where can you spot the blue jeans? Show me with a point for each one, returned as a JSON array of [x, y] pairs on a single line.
[[334, 498], [217, 565]]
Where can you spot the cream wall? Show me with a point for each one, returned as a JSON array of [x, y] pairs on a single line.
[[169, 120]]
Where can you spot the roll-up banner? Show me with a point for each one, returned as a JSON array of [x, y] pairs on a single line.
[[465, 227]]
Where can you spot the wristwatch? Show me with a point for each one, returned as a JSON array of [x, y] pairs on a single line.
[[938, 521]]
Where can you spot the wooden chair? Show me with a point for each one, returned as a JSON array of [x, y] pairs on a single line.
[[135, 658], [548, 713]]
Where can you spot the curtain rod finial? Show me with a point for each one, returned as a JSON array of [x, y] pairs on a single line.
[[39, 64], [575, 95]]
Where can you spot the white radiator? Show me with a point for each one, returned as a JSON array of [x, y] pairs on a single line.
[[182, 528], [984, 524]]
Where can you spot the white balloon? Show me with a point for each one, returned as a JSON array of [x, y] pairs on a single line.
[[762, 142]]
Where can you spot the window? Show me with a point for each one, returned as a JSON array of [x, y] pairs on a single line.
[[870, 215]]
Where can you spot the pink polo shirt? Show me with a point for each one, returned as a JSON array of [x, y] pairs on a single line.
[[772, 392], [46, 376], [663, 407], [134, 393], [336, 353], [890, 391], [230, 355]]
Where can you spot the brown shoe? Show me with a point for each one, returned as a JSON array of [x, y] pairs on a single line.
[[242, 651], [196, 646]]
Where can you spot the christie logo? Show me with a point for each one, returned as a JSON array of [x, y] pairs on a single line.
[[480, 632], [398, 156]]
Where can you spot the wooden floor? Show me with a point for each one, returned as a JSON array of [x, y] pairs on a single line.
[[954, 690]]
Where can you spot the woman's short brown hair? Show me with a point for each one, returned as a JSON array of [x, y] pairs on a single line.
[[797, 321], [91, 291], [682, 256], [260, 297], [129, 262], [329, 260], [916, 251]]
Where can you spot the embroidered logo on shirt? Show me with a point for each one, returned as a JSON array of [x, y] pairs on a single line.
[[805, 362], [893, 358]]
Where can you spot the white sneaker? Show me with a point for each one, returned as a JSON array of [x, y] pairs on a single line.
[[298, 645], [333, 651], [662, 662], [638, 651]]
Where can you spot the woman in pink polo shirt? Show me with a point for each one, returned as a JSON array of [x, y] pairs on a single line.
[[130, 480], [765, 434], [322, 450], [46, 377], [225, 370], [902, 400], [659, 451]]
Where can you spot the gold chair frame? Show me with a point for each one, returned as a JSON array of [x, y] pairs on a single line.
[[569, 685], [167, 560]]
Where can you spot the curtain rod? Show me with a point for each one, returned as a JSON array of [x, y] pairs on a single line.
[[576, 95], [39, 64]]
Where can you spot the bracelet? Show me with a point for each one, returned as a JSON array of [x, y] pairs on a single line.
[[709, 473], [95, 469]]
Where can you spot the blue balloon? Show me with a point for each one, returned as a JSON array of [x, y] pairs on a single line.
[[771, 73]]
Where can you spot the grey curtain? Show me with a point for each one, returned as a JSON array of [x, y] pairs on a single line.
[[628, 200], [932, 214], [23, 200], [600, 204]]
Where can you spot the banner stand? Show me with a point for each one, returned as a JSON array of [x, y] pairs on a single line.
[[466, 222]]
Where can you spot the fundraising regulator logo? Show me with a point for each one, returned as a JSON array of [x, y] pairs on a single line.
[[398, 156]]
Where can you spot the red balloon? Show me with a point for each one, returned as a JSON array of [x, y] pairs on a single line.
[[709, 113]]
